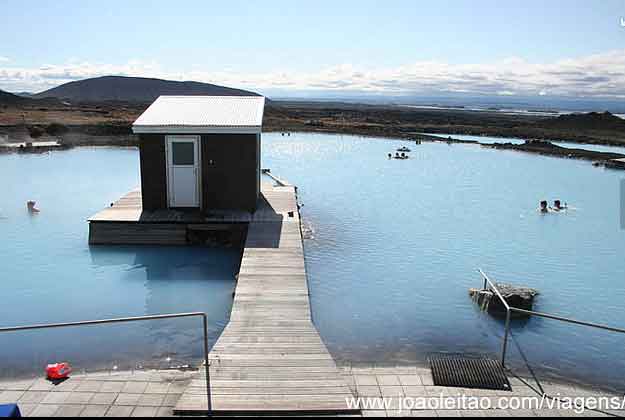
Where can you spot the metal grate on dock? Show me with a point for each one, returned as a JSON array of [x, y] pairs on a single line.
[[469, 372]]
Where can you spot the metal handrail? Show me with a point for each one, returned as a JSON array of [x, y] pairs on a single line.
[[132, 319], [510, 309], [279, 181]]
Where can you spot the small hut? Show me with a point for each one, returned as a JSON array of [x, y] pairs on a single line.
[[201, 152]]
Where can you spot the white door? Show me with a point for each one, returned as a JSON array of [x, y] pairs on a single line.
[[183, 161]]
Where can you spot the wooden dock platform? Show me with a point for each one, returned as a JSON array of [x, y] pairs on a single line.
[[125, 222], [270, 358]]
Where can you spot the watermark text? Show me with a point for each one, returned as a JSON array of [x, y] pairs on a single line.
[[578, 405]]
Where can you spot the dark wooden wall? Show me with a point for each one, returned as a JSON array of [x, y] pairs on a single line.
[[153, 171], [230, 171]]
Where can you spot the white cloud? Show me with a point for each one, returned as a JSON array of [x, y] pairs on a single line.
[[599, 75], [4, 59]]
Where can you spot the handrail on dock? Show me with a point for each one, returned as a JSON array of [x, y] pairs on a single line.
[[510, 309], [278, 181], [131, 319]]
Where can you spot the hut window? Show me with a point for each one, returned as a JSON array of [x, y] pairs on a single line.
[[183, 153]]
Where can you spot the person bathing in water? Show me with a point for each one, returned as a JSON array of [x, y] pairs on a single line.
[[557, 206], [32, 207]]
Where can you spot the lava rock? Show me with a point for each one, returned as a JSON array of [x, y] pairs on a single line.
[[516, 297]]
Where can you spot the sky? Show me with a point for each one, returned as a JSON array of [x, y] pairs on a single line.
[[554, 48]]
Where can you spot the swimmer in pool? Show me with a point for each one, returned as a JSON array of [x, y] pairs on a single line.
[[32, 207]]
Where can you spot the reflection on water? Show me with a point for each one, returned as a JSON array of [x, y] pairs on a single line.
[[52, 275], [177, 280]]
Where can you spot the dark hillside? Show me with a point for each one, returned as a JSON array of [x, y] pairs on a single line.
[[134, 89]]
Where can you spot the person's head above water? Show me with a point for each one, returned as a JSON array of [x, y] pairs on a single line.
[[31, 206]]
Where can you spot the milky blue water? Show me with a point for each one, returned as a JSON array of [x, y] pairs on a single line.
[[395, 246], [49, 273]]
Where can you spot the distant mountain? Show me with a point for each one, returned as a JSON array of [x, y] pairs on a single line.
[[133, 89], [11, 99], [7, 98], [590, 121]]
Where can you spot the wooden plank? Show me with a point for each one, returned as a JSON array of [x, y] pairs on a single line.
[[113, 233], [129, 209], [245, 364], [270, 358], [271, 391], [305, 383]]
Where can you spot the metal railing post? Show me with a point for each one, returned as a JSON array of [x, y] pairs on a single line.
[[495, 290], [505, 339], [133, 319], [207, 366], [509, 310]]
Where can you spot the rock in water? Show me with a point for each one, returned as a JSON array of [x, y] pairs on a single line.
[[517, 297]]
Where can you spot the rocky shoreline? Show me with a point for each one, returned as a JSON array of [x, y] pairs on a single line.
[[546, 148], [78, 138], [381, 120], [109, 124]]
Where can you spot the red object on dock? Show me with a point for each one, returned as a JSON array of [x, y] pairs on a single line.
[[58, 371]]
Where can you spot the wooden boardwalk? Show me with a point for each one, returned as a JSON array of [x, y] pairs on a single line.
[[270, 358], [129, 209], [125, 222]]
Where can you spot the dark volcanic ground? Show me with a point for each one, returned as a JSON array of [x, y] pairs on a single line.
[[109, 122]]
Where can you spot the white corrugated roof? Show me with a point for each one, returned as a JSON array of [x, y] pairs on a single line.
[[202, 114]]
